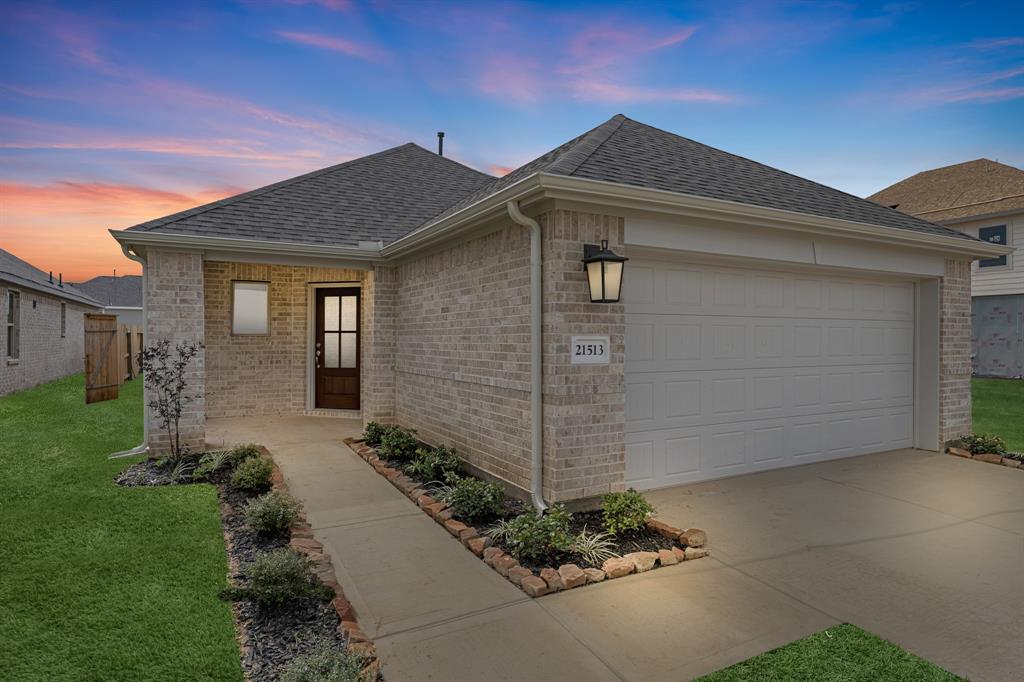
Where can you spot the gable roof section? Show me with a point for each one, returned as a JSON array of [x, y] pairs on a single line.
[[379, 197], [25, 275], [963, 190], [120, 292]]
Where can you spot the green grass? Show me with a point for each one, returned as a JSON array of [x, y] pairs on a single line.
[[844, 653], [999, 409], [99, 582]]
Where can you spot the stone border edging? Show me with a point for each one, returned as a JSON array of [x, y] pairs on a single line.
[[989, 457], [549, 580]]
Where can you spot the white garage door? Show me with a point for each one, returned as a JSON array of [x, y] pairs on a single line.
[[731, 370]]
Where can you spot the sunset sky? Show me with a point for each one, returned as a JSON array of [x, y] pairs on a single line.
[[116, 113]]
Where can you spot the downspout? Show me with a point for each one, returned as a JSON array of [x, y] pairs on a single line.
[[143, 448], [536, 358]]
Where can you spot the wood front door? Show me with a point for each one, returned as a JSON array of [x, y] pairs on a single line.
[[336, 350]]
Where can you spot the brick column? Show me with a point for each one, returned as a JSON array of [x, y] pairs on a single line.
[[174, 311], [955, 351], [584, 405], [378, 375]]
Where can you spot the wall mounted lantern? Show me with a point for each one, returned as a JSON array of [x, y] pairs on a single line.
[[604, 272]]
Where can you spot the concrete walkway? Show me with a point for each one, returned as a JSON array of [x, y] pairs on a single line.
[[923, 549]]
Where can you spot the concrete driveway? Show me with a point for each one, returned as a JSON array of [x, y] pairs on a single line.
[[926, 550]]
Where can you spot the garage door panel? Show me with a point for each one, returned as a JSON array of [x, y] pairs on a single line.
[[730, 370]]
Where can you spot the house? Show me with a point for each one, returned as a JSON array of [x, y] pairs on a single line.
[[765, 320], [44, 325], [984, 199], [121, 296]]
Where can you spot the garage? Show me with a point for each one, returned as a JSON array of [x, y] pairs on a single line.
[[732, 369]]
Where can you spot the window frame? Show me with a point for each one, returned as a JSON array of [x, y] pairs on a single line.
[[12, 326], [234, 282], [998, 261]]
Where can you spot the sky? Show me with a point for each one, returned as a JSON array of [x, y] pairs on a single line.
[[115, 113]]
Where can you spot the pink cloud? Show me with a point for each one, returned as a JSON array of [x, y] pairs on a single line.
[[612, 92], [601, 45], [510, 77], [968, 89], [995, 43], [499, 171], [370, 53], [333, 5]]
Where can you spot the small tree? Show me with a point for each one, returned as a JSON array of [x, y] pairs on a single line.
[[164, 376]]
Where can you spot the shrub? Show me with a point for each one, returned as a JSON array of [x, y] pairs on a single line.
[[529, 536], [253, 474], [276, 577], [397, 443], [624, 512], [240, 453], [373, 433], [594, 547], [183, 470], [472, 499], [211, 463], [271, 514], [434, 464], [325, 662], [166, 376], [979, 443]]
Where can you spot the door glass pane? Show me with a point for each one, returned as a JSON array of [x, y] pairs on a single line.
[[331, 313], [348, 350], [331, 350], [348, 313]]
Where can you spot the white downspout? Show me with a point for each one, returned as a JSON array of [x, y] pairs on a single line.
[[143, 448], [536, 358]]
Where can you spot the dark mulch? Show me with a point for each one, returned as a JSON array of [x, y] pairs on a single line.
[[149, 472]]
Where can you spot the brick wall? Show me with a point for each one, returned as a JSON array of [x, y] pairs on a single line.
[[955, 350], [260, 375], [378, 376], [44, 355]]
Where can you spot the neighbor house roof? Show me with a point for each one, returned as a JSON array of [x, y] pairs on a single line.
[[388, 195], [963, 190], [117, 292], [26, 276]]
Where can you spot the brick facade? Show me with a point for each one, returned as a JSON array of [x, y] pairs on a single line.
[[44, 355], [955, 350], [378, 384]]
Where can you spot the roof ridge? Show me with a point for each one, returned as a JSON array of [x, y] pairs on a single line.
[[259, 191], [577, 155]]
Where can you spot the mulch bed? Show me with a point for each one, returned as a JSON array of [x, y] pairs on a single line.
[[269, 637]]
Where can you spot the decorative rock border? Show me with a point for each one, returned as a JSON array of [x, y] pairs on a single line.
[[549, 580], [303, 542], [989, 457]]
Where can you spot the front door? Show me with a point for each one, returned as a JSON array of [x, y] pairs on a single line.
[[336, 352]]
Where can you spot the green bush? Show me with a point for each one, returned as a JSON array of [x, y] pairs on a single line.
[[979, 443], [624, 512], [326, 662], [373, 433], [276, 577], [240, 453], [397, 443], [529, 536], [472, 499], [271, 514], [434, 464], [211, 463], [253, 474]]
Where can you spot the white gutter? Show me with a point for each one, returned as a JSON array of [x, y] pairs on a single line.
[[536, 358], [143, 448], [183, 241]]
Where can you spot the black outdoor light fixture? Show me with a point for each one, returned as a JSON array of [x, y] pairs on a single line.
[[604, 272]]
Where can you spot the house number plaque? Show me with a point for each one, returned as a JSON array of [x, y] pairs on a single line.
[[589, 350]]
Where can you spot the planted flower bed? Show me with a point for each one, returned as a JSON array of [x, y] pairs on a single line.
[[538, 553], [991, 449], [293, 622]]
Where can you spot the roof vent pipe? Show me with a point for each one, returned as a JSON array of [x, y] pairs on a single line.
[[440, 143], [51, 276], [60, 280]]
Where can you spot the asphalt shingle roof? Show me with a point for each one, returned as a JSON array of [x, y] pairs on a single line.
[[25, 275], [963, 190], [123, 292], [388, 195]]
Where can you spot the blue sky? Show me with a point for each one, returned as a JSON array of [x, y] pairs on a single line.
[[113, 113]]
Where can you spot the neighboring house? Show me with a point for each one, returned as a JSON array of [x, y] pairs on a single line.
[[984, 199], [44, 325], [121, 296], [766, 321]]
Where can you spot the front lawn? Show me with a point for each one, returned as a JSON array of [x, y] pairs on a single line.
[[998, 409], [844, 653], [99, 581]]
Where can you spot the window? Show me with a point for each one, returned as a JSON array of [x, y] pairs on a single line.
[[13, 324], [250, 308], [996, 235], [63, 319]]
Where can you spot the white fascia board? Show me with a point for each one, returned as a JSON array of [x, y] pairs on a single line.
[[133, 239], [614, 194]]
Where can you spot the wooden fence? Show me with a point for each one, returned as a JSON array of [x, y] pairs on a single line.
[[111, 356]]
